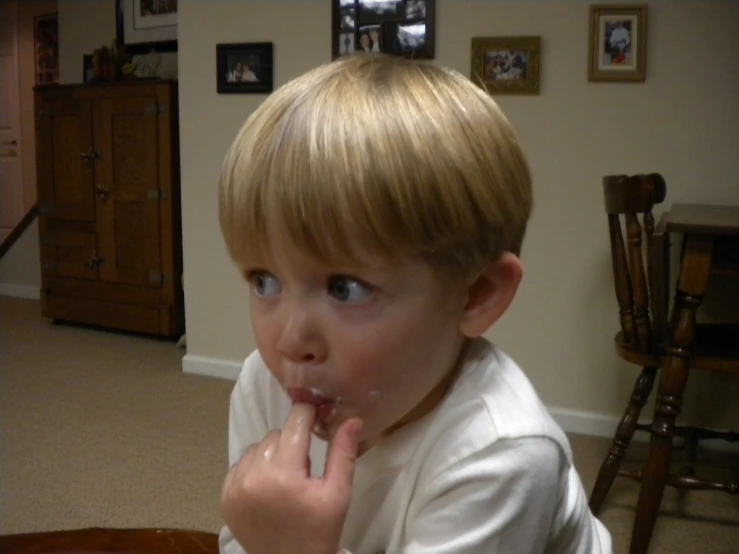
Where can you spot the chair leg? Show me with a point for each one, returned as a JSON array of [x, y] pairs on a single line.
[[624, 433], [691, 287], [654, 476]]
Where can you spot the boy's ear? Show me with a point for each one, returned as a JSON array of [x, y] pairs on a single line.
[[490, 294]]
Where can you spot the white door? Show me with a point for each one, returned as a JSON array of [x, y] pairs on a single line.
[[11, 172]]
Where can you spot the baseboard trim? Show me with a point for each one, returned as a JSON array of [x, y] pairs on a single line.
[[585, 423], [601, 425], [572, 421], [211, 367], [20, 291]]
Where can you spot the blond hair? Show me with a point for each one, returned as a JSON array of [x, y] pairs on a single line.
[[379, 155]]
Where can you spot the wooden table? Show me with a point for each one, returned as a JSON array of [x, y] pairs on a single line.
[[719, 227], [710, 245], [111, 541]]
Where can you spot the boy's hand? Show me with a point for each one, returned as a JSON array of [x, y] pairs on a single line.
[[270, 502]]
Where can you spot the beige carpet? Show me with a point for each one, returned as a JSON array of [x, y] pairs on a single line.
[[103, 429]]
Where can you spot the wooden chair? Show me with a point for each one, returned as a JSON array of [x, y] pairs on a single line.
[[644, 338], [118, 541]]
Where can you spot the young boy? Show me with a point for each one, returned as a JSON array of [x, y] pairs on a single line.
[[376, 206]]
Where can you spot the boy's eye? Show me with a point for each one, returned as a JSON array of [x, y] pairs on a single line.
[[265, 284], [346, 289]]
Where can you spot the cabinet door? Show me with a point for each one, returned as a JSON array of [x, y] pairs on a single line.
[[67, 252], [127, 189], [65, 158]]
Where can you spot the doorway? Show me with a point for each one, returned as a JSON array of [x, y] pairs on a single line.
[[18, 77], [12, 205]]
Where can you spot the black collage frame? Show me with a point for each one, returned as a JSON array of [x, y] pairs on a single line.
[[133, 48], [262, 79], [388, 26]]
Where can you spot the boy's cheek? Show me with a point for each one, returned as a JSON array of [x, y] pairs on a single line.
[[271, 360], [266, 342]]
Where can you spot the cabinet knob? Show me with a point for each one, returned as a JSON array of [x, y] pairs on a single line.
[[95, 261], [90, 156], [102, 191]]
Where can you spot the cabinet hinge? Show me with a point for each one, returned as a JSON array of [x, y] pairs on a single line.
[[156, 194], [158, 277], [156, 109]]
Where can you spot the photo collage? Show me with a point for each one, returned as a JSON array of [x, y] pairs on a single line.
[[399, 27]]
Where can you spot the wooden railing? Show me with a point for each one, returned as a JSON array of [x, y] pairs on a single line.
[[16, 233]]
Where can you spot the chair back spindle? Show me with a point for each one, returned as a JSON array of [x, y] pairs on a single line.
[[624, 293], [639, 281], [631, 197]]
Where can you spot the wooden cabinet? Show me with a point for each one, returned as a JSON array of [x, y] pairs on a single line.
[[109, 205]]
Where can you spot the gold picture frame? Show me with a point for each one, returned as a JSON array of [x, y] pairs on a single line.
[[506, 65], [622, 57]]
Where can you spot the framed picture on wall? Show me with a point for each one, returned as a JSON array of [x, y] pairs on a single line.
[[145, 26], [397, 27], [245, 68], [506, 65], [617, 47], [46, 48]]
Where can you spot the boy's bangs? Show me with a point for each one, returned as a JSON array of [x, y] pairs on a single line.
[[322, 203]]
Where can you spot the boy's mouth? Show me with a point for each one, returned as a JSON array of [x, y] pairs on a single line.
[[325, 407]]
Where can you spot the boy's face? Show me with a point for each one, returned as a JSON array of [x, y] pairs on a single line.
[[369, 341]]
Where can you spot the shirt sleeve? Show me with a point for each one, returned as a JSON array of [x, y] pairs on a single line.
[[500, 499], [245, 427]]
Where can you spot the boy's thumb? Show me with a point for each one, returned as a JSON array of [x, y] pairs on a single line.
[[342, 455]]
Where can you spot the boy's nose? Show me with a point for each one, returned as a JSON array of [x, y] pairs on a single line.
[[299, 340]]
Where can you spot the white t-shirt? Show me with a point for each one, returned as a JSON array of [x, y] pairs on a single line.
[[487, 471]]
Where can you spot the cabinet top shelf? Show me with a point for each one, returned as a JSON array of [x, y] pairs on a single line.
[[123, 83]]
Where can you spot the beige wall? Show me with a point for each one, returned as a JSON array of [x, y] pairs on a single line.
[[217, 322], [87, 25], [681, 122], [83, 26], [20, 268]]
